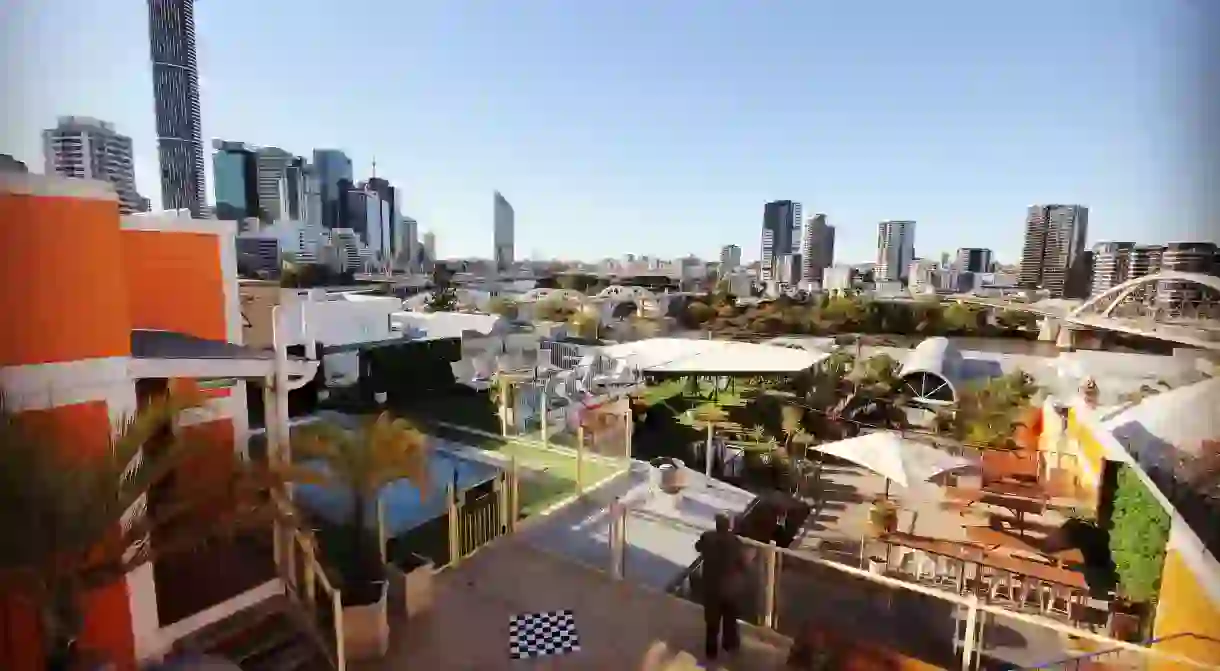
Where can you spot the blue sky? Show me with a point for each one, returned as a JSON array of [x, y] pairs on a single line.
[[662, 126]]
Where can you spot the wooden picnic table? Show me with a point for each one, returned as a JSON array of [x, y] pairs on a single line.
[[1019, 505], [980, 555], [994, 538]]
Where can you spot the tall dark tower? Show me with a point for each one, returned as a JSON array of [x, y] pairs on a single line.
[[171, 34]]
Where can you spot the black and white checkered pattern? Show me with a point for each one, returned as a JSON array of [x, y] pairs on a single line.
[[532, 635]]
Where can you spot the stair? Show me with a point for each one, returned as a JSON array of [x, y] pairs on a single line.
[[268, 636]]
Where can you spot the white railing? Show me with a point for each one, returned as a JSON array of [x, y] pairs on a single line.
[[317, 597], [797, 593]]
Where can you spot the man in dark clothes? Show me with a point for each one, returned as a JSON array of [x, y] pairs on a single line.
[[723, 582]]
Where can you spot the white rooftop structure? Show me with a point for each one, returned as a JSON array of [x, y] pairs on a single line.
[[1169, 424], [663, 527], [448, 324], [711, 357]]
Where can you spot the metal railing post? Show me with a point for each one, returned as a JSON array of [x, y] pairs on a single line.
[[502, 503], [769, 576], [969, 637]]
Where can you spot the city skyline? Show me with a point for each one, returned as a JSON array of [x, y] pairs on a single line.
[[973, 199]]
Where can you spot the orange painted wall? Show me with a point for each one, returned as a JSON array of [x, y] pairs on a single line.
[[208, 469], [83, 431], [1184, 608], [60, 275], [174, 282], [19, 635]]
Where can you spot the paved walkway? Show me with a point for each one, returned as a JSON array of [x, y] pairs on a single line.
[[617, 622]]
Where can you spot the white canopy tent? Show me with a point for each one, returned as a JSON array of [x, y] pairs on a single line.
[[897, 459], [682, 356]]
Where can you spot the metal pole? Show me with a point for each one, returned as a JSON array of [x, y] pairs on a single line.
[[580, 457], [707, 454], [969, 636]]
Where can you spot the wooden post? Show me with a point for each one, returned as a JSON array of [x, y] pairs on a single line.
[[769, 579], [381, 539], [455, 521], [580, 458], [310, 577], [616, 566], [514, 493], [336, 605]]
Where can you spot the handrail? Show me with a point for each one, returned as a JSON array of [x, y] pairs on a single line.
[[315, 576], [1109, 651], [973, 602]]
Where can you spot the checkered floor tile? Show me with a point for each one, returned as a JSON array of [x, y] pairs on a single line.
[[533, 635]]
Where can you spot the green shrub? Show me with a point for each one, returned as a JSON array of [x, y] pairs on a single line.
[[1139, 531]]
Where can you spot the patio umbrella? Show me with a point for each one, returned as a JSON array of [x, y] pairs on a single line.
[[897, 459]]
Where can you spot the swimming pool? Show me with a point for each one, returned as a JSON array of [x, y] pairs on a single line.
[[404, 509]]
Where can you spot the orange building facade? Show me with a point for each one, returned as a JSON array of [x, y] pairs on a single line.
[[89, 300]]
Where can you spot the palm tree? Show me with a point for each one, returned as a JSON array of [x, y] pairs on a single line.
[[362, 462], [76, 524]]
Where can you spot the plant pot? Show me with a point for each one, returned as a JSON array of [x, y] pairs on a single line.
[[877, 565], [379, 397], [883, 518], [366, 628], [1125, 626], [411, 586]]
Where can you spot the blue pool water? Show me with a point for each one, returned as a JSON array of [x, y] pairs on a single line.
[[404, 509]]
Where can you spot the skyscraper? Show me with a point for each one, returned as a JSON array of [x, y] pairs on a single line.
[[390, 226], [780, 255], [1184, 257], [171, 32], [235, 171], [1054, 250], [333, 171], [429, 243], [818, 248], [895, 250], [272, 174], [973, 260], [503, 222], [87, 148], [730, 258]]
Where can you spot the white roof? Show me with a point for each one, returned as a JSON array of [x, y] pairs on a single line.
[[1178, 419], [904, 462], [682, 355], [449, 324]]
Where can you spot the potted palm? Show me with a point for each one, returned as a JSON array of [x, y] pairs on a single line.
[[84, 522], [362, 462]]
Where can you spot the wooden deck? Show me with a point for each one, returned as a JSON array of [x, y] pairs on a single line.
[[617, 622]]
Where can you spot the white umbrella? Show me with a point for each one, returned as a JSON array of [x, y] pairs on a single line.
[[899, 460]]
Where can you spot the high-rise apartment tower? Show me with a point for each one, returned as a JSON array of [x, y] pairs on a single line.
[[87, 148], [817, 248], [503, 223], [1053, 257], [171, 32], [895, 250]]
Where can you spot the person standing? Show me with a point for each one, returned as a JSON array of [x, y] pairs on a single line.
[[723, 582]]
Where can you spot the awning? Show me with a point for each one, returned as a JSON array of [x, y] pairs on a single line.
[[681, 356], [171, 354]]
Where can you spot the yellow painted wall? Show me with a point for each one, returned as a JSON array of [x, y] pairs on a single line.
[[1091, 454], [1184, 607]]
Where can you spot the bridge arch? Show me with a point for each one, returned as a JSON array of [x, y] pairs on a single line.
[[1114, 297]]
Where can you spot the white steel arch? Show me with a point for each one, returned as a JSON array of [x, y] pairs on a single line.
[[1117, 294]]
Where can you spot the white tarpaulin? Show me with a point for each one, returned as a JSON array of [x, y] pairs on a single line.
[[711, 357], [903, 462]]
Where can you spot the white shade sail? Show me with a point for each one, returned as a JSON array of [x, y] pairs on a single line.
[[711, 357], [904, 462]]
